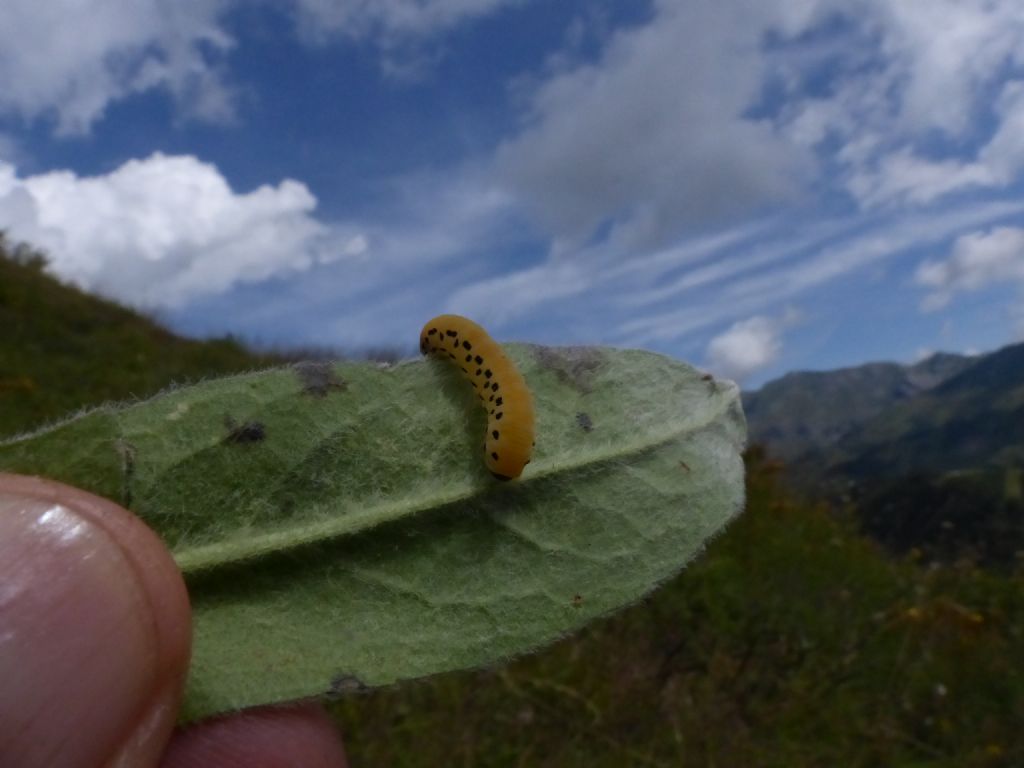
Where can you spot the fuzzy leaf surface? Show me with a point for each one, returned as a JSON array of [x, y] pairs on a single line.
[[338, 530]]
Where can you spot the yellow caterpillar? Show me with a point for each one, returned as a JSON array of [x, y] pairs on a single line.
[[499, 385]]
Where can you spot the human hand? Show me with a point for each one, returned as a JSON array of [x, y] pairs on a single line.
[[95, 632]]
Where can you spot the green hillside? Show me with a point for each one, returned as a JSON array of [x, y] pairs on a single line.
[[792, 642], [62, 349]]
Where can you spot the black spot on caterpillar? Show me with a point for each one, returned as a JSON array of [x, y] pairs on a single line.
[[584, 421], [509, 445]]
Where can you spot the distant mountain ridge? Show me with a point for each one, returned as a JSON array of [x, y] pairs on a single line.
[[946, 413], [929, 456], [809, 411], [973, 420]]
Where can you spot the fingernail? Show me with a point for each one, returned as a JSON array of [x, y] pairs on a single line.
[[80, 647]]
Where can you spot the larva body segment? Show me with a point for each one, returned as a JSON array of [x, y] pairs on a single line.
[[500, 387]]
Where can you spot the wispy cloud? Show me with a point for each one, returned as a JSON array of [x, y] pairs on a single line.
[[765, 289], [71, 60], [912, 84], [406, 33], [390, 20]]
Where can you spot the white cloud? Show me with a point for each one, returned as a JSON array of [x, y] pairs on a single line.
[[978, 259], [944, 52], [904, 177], [748, 346], [653, 138], [911, 72], [162, 231], [71, 59]]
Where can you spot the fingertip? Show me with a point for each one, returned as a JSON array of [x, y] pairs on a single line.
[[264, 737], [97, 630]]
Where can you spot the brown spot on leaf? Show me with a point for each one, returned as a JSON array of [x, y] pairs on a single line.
[[127, 452], [344, 683], [575, 366], [319, 378], [248, 432]]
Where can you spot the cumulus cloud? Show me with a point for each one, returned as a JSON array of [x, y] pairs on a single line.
[[70, 60], [748, 346], [977, 260], [162, 231], [654, 136]]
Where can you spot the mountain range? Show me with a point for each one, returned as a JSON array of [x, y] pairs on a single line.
[[946, 413], [927, 456]]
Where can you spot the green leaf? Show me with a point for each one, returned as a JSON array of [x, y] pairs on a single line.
[[337, 527]]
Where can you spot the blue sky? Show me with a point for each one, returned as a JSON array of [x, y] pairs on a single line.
[[754, 186]]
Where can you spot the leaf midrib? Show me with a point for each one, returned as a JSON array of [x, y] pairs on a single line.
[[206, 557]]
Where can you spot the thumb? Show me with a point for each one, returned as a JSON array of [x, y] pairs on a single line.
[[94, 631]]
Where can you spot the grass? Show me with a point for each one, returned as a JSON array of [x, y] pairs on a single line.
[[62, 349]]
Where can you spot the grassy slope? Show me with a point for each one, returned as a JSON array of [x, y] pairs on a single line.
[[793, 642], [62, 349]]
